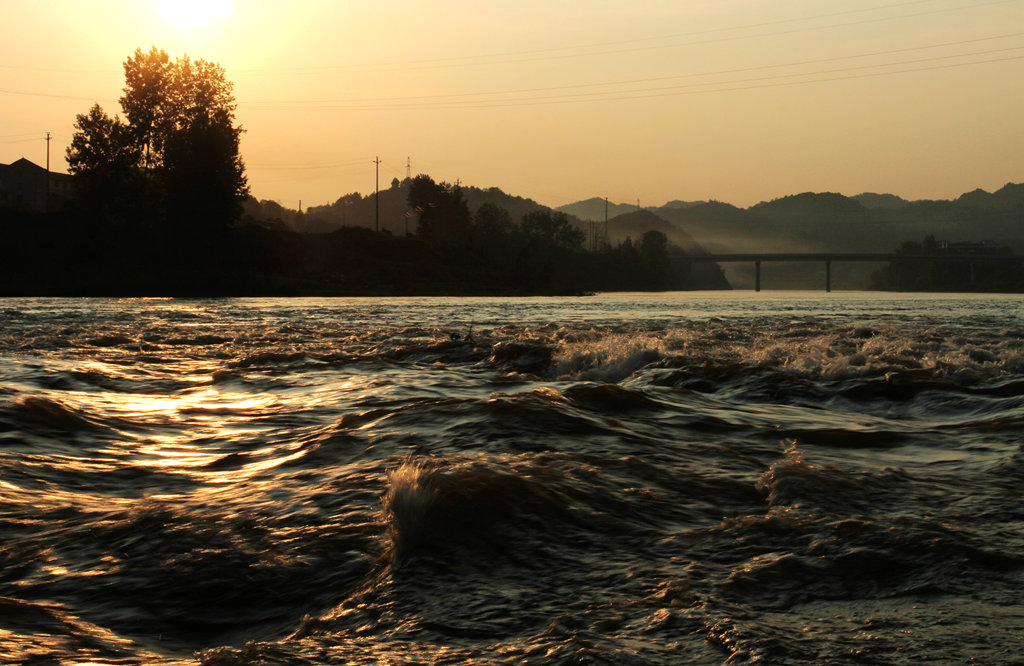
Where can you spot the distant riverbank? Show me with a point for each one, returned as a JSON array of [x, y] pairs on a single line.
[[69, 255]]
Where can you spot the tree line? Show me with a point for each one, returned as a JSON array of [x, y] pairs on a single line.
[[939, 266], [161, 189]]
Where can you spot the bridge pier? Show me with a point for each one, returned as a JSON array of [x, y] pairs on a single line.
[[757, 276], [828, 276]]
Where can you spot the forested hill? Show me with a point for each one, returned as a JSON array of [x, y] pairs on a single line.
[[804, 222], [812, 222], [395, 215], [831, 222]]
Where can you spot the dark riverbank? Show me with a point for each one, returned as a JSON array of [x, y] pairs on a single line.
[[68, 255]]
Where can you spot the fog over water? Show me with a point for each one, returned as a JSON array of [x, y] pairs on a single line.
[[790, 477]]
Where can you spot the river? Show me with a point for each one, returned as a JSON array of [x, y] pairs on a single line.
[[677, 478]]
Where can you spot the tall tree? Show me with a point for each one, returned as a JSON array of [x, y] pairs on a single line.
[[443, 212], [148, 101], [203, 174], [104, 158], [554, 229], [179, 135], [654, 255]]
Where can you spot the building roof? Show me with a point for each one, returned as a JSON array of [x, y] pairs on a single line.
[[25, 163]]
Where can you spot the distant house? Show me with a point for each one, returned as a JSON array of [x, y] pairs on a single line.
[[28, 186]]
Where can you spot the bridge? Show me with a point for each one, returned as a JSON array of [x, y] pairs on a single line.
[[829, 257]]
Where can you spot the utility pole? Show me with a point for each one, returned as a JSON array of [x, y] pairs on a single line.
[[376, 195], [46, 203], [606, 242]]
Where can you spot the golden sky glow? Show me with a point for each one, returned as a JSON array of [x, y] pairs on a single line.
[[738, 100], [193, 13]]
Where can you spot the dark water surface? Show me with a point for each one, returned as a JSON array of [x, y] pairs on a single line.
[[619, 479]]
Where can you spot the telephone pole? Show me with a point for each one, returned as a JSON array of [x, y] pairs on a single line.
[[606, 222], [376, 195], [46, 203]]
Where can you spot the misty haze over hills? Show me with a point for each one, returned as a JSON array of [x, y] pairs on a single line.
[[830, 222], [806, 222]]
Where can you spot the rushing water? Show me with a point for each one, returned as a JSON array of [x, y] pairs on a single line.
[[618, 479]]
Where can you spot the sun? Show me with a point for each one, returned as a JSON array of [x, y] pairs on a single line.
[[192, 13]]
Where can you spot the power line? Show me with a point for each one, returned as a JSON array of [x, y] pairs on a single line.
[[266, 105], [252, 104], [560, 51], [22, 134], [493, 99], [640, 93], [417, 103], [77, 98], [67, 70], [563, 51], [305, 167]]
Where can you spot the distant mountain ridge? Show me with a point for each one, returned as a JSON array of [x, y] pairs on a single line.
[[804, 222], [389, 210], [594, 209], [810, 203], [832, 222], [1007, 197], [871, 200]]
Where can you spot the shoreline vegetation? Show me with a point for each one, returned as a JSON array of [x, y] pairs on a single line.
[[66, 254], [79, 252]]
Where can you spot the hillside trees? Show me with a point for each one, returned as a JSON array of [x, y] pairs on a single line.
[[442, 210], [929, 266], [654, 258], [175, 155], [552, 229]]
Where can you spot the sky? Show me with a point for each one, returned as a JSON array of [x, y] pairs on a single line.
[[649, 100]]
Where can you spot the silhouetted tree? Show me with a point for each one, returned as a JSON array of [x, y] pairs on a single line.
[[442, 211], [549, 253], [203, 174], [550, 228], [654, 256], [104, 160], [178, 137], [933, 267], [493, 247], [492, 221]]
